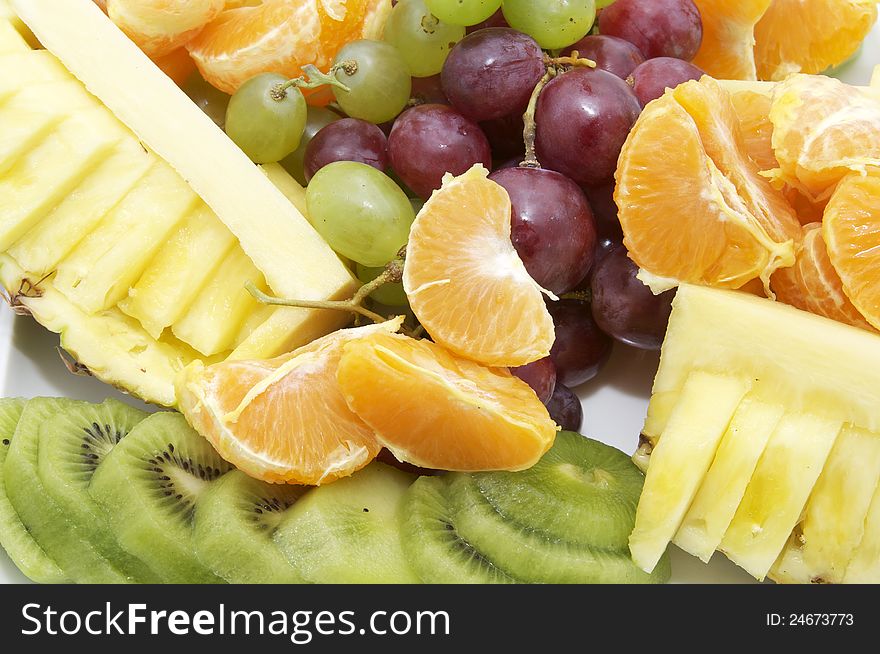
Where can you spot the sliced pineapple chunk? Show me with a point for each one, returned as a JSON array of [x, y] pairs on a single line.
[[98, 274], [681, 459], [725, 484], [33, 68], [865, 565], [10, 39], [175, 277]]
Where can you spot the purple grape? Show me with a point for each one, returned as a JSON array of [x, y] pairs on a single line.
[[566, 409], [659, 28], [651, 79], [581, 348], [495, 20], [583, 118], [505, 136], [610, 53], [601, 199], [349, 139], [624, 307], [552, 226], [428, 90], [431, 140], [540, 375], [492, 73]]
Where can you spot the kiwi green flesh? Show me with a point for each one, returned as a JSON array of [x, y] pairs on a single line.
[[21, 547], [349, 531], [431, 542], [66, 542], [235, 520], [532, 555], [149, 485], [582, 491]]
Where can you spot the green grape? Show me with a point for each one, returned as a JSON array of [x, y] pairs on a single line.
[[601, 4], [359, 211], [378, 80], [316, 118], [554, 24], [209, 99], [423, 40], [265, 127], [463, 12], [391, 295]]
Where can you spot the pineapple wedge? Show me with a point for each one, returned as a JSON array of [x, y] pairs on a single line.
[[10, 39], [864, 568]]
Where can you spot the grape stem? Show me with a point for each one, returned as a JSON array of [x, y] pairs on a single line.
[[574, 60], [312, 79], [531, 160]]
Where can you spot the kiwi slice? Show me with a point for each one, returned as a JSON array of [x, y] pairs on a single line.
[[235, 520], [66, 542], [349, 531], [24, 551], [149, 485], [431, 542], [72, 445]]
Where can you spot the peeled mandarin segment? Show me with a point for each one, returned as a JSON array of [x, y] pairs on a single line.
[[177, 64], [822, 130], [436, 410], [687, 217], [282, 419], [727, 50], [160, 26], [753, 111], [813, 285], [465, 281], [851, 230], [809, 36]]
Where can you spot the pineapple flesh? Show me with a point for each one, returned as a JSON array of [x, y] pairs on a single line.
[[792, 490]]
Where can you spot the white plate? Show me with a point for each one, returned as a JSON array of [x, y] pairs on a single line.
[[614, 403]]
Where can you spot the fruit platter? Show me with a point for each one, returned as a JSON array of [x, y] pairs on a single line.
[[439, 291]]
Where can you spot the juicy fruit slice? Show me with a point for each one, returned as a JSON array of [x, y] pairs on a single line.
[[733, 227], [235, 520], [283, 419], [72, 445], [149, 485], [798, 36], [865, 565], [727, 49], [348, 532], [852, 233], [160, 26], [778, 491], [24, 551], [465, 281], [680, 461], [753, 111], [822, 130], [436, 410], [724, 485]]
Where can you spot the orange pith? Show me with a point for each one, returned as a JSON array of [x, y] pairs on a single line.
[[734, 227], [728, 37], [809, 36], [436, 410], [161, 26], [851, 230], [281, 36], [465, 281], [283, 419]]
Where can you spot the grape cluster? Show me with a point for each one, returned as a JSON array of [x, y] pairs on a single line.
[[511, 85]]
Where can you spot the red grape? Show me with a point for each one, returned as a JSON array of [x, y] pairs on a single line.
[[651, 79], [552, 227], [540, 375], [428, 90], [565, 408], [583, 119], [495, 20], [431, 140], [581, 348], [505, 136], [601, 199], [609, 52], [624, 307], [349, 139], [659, 28], [492, 73]]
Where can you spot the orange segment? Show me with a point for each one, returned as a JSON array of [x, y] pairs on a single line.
[[178, 65], [813, 285], [808, 36], [436, 410], [282, 36], [691, 202], [753, 111], [823, 129], [282, 419], [464, 280], [852, 233], [160, 26], [729, 37]]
